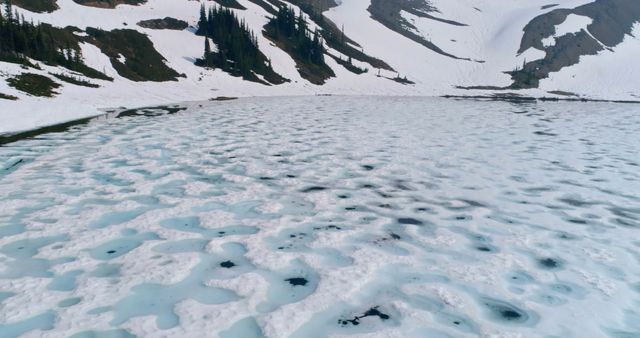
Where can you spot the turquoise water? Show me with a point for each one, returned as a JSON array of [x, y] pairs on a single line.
[[327, 216]]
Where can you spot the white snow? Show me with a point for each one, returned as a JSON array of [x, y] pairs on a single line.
[[608, 75], [491, 38], [572, 24]]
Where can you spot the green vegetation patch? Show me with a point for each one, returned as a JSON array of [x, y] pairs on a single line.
[[34, 84], [21, 40], [75, 80], [166, 23], [348, 65], [335, 37], [38, 6], [238, 53], [132, 55], [108, 3], [7, 97], [291, 34]]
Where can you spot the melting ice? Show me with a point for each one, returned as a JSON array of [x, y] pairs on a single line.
[[327, 216]]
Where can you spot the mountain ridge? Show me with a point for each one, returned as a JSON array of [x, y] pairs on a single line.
[[372, 47]]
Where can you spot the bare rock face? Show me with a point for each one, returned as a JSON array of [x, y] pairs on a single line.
[[38, 6], [612, 20], [387, 12], [322, 5]]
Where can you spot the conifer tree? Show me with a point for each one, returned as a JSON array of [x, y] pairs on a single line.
[[21, 39], [288, 26], [237, 47]]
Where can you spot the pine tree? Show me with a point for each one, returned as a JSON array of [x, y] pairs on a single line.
[[237, 47], [207, 48], [8, 10], [293, 29], [202, 22], [21, 39]]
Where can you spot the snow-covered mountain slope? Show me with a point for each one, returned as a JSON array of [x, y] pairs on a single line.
[[442, 47]]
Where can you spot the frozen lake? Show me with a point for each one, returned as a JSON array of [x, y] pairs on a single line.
[[326, 216]]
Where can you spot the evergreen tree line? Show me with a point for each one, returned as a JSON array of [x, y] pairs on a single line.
[[20, 39], [287, 26], [238, 51]]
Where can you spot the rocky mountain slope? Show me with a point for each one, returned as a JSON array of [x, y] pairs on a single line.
[[114, 53]]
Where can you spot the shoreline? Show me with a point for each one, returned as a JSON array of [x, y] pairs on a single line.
[[7, 138], [519, 98]]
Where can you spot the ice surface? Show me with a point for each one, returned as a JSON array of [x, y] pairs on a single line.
[[327, 216]]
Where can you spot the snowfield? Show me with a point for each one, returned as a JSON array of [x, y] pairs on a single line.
[[490, 39], [326, 217]]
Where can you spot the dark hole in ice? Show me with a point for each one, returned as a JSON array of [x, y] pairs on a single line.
[[368, 186], [367, 167], [575, 202], [343, 196], [521, 277], [550, 263], [313, 189], [375, 312], [372, 312], [544, 133], [411, 221], [394, 236], [266, 178], [297, 281], [505, 311], [510, 314], [291, 176], [227, 264], [328, 227], [484, 249], [577, 221], [384, 195], [111, 251], [14, 164], [456, 322]]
